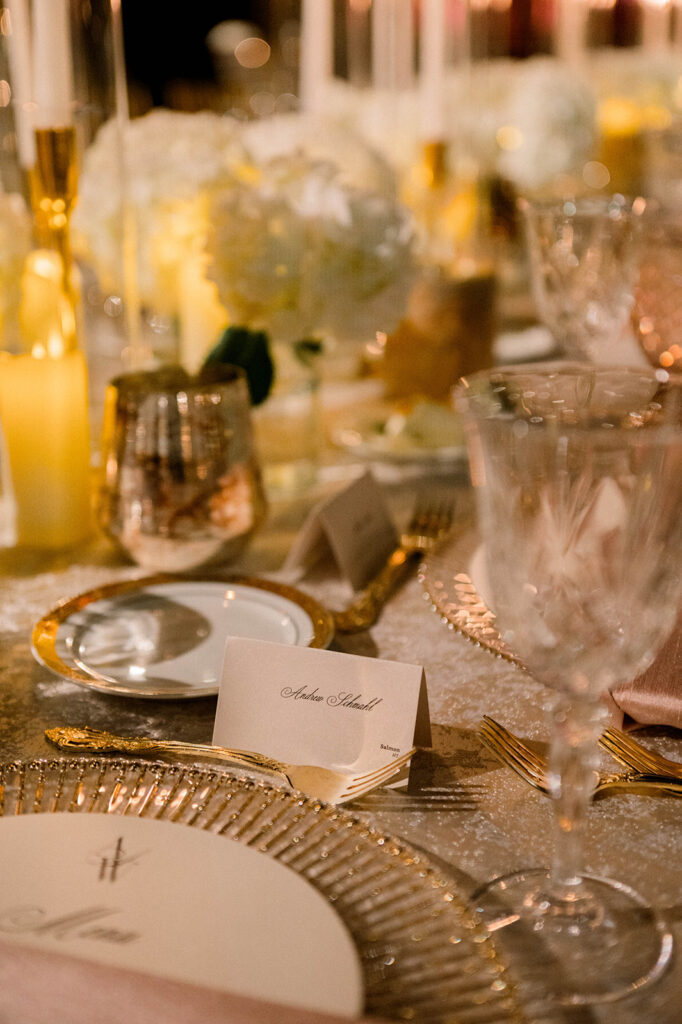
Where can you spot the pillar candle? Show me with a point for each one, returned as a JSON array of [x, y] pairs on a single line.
[[201, 315], [44, 414]]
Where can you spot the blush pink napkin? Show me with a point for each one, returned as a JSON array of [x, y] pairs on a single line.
[[655, 697], [38, 987]]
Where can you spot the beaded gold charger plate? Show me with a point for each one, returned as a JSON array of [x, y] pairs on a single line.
[[450, 575], [423, 956]]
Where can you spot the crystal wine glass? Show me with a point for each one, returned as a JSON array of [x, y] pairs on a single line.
[[577, 470], [583, 262], [657, 308]]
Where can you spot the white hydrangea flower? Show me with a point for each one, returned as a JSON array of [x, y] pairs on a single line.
[[553, 109], [554, 112], [298, 253], [321, 138], [308, 238], [169, 160]]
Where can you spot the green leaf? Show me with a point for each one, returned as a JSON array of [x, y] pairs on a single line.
[[240, 346], [307, 350]]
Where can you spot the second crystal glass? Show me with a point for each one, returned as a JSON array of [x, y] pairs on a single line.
[[583, 266]]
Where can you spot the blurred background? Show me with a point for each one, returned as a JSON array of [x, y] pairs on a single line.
[[187, 56]]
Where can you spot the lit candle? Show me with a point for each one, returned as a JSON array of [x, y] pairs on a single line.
[[52, 63], [44, 413], [656, 26], [432, 52], [201, 315], [19, 56], [316, 53]]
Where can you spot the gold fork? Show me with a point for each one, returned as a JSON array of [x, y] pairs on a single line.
[[637, 757], [322, 783], [533, 767], [429, 523]]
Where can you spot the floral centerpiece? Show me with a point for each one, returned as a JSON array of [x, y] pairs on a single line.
[[290, 231], [274, 240], [299, 253], [526, 120]]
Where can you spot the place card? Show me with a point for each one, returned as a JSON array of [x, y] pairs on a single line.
[[305, 705], [177, 903], [354, 526]]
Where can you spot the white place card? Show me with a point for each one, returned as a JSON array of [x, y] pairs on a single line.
[[310, 706], [177, 903], [354, 526]]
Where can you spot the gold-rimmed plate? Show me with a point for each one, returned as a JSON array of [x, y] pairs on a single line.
[[423, 955], [453, 577], [162, 637]]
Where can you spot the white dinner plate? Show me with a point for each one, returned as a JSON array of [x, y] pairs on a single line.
[[163, 637]]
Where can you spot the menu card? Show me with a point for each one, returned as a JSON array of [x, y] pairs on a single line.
[[320, 707], [175, 902]]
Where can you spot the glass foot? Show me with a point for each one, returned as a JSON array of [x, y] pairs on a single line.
[[601, 941]]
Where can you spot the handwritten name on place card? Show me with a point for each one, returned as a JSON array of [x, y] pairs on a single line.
[[311, 706]]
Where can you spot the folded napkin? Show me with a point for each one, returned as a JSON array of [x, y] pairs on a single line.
[[37, 987], [655, 697]]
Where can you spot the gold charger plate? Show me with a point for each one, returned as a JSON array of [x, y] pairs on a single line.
[[446, 575], [423, 956], [162, 637]]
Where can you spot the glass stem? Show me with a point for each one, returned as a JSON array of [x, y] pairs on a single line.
[[572, 763]]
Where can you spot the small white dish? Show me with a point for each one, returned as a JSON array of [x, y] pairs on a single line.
[[162, 637], [428, 433]]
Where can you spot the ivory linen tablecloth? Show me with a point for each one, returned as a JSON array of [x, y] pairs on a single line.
[[474, 817]]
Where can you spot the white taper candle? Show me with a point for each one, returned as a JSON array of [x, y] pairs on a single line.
[[432, 56], [316, 53], [52, 63], [21, 79]]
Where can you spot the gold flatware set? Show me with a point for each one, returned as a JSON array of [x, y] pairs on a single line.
[[647, 771], [322, 783]]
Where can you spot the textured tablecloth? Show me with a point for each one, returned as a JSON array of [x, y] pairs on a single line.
[[471, 814]]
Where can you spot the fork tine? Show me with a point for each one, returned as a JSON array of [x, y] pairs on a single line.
[[430, 517], [512, 742], [379, 775], [621, 750], [530, 765], [389, 766], [633, 755]]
